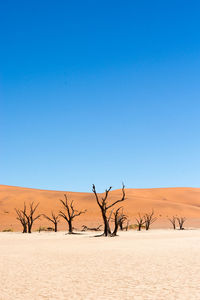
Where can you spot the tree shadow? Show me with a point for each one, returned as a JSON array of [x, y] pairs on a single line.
[[74, 233]]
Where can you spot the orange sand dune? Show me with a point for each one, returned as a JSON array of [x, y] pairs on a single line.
[[165, 202]]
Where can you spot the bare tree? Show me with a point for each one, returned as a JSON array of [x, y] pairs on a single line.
[[85, 228], [149, 219], [29, 216], [173, 221], [69, 212], [181, 221], [122, 219], [54, 219], [140, 222], [104, 207], [117, 220], [22, 218]]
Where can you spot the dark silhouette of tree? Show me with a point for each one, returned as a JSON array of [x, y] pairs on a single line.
[[140, 222], [149, 219], [173, 221], [54, 219], [122, 220], [85, 228], [69, 212], [109, 219], [30, 216], [117, 220], [22, 218], [104, 207], [181, 221]]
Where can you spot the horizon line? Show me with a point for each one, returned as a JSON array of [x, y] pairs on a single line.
[[52, 190]]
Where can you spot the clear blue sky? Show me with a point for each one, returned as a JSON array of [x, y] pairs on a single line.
[[99, 92]]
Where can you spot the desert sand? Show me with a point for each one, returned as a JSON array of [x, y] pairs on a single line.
[[158, 264], [166, 202]]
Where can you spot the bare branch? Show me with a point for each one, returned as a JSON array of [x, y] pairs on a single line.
[[104, 208], [140, 221], [120, 200], [173, 221], [29, 216], [181, 221], [149, 219], [69, 212], [95, 193], [54, 219]]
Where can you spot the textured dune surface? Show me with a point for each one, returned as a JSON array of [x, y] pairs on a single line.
[[159, 264], [165, 202]]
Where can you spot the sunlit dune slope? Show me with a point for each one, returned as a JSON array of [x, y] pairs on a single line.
[[165, 202]]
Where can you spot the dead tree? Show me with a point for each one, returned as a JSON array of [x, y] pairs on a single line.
[[181, 221], [54, 219], [140, 222], [22, 218], [122, 220], [85, 228], [149, 219], [30, 216], [173, 221], [69, 213], [104, 207], [117, 220]]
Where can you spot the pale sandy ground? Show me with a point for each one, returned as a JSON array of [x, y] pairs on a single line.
[[159, 264]]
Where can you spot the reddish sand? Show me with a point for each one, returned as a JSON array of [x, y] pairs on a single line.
[[166, 202]]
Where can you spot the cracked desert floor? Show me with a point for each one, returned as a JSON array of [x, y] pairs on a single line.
[[159, 264]]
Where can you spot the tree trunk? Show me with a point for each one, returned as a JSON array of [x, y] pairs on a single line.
[[106, 225], [29, 228], [70, 226], [55, 227], [24, 229], [121, 226], [115, 230]]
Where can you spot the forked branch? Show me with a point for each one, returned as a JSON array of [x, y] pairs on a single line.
[[54, 219], [69, 212]]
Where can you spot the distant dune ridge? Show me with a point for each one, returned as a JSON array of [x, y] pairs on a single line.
[[165, 202]]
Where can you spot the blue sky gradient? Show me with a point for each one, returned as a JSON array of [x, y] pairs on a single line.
[[99, 92]]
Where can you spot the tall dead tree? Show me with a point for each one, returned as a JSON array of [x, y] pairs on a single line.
[[181, 221], [173, 221], [54, 219], [149, 219], [22, 218], [69, 212], [104, 207], [140, 222], [30, 215]]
